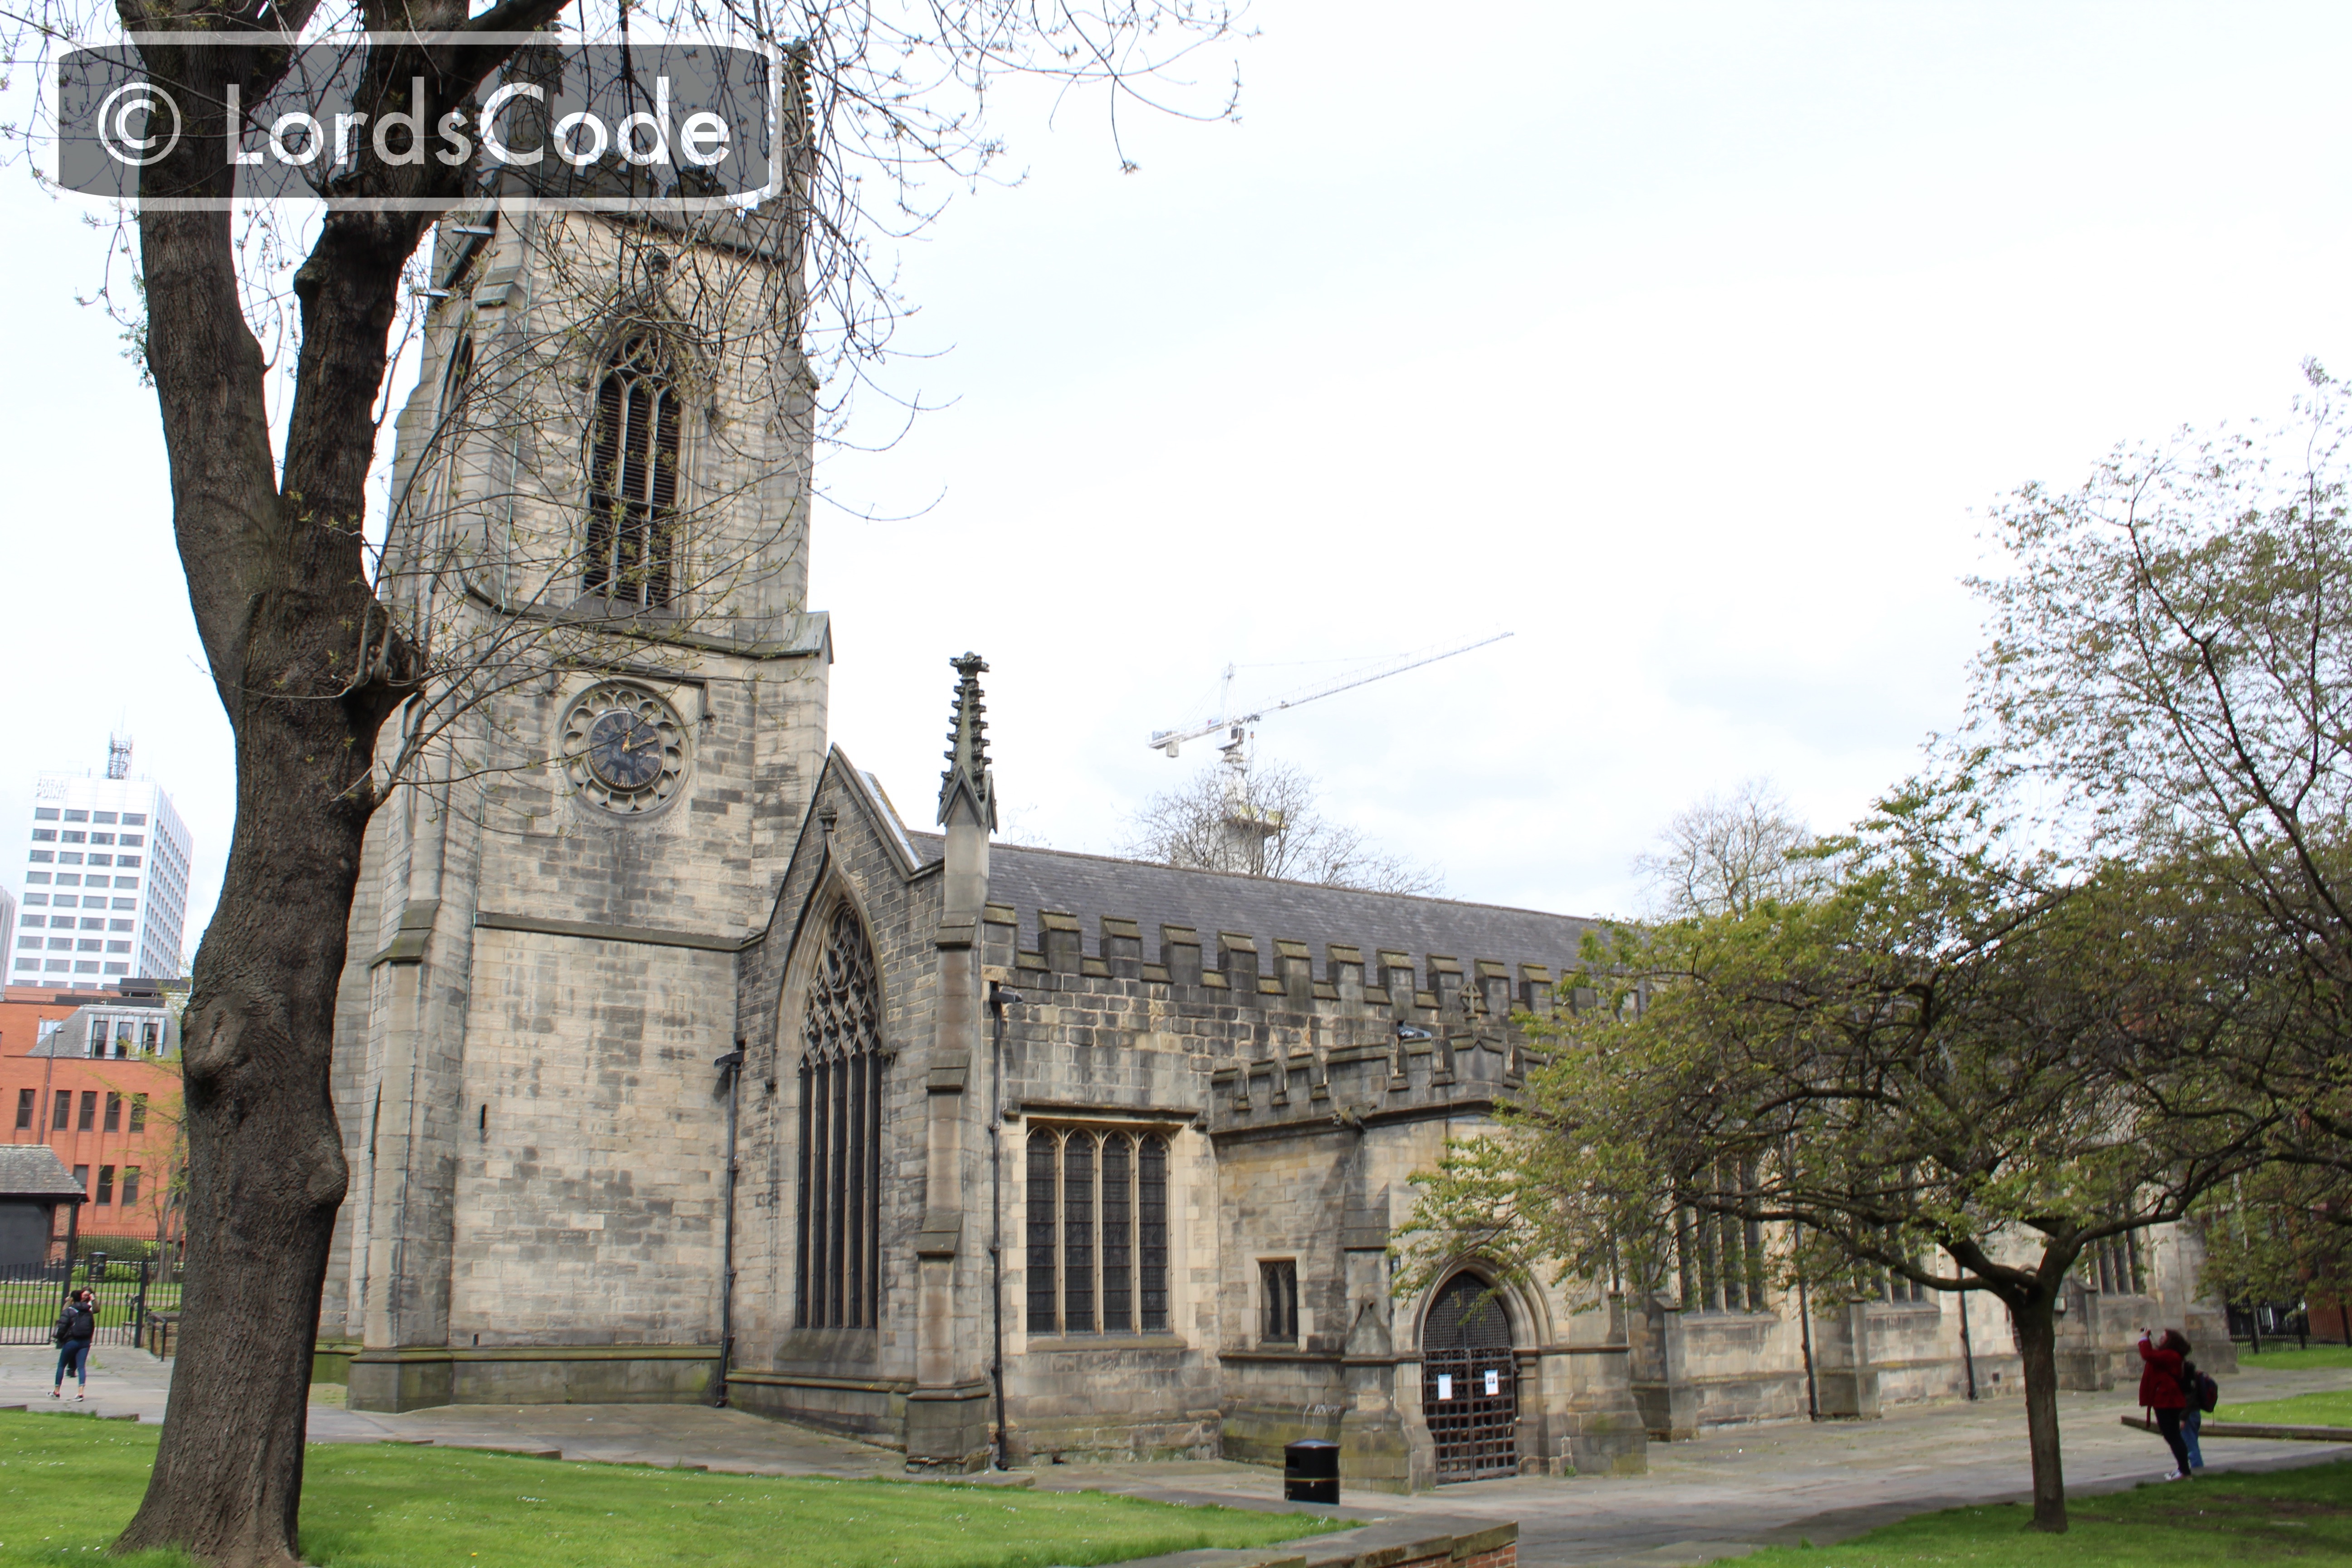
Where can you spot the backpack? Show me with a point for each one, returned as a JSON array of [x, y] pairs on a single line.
[[2204, 1394]]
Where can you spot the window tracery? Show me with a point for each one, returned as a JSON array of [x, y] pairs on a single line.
[[842, 1067], [632, 545]]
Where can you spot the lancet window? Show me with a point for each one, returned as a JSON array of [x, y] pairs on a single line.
[[1721, 1256], [1098, 1231], [632, 546], [843, 1067], [2114, 1264]]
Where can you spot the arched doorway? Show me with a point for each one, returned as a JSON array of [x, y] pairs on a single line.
[[1469, 1383]]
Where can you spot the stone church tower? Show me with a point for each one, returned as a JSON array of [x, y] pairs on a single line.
[[602, 515]]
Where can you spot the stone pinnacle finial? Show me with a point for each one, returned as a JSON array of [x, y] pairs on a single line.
[[967, 750]]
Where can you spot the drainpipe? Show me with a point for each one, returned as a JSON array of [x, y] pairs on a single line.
[[998, 995], [732, 1064]]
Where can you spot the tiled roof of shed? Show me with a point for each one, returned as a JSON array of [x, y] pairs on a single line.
[[33, 1170], [1092, 886]]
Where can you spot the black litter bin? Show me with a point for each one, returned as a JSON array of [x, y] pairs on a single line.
[[1310, 1472]]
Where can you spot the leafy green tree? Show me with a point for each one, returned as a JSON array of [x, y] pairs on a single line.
[[1943, 1052], [2279, 1235]]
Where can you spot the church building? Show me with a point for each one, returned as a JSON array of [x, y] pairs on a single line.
[[676, 1062]]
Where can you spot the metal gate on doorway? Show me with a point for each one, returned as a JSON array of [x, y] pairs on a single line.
[[1469, 1383]]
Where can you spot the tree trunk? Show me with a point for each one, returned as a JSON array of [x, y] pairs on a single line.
[[2037, 1339], [266, 1166], [277, 580]]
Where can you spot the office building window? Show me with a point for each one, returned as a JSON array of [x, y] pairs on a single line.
[[81, 1177], [105, 1184], [130, 1186], [134, 819], [113, 1111], [1098, 1231], [1278, 1282], [139, 1112], [27, 1100], [61, 1117], [88, 1111]]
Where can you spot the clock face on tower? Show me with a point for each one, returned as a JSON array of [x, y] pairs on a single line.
[[624, 747], [625, 750]]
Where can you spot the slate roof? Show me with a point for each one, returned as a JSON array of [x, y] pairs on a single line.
[[33, 1170], [1092, 886]]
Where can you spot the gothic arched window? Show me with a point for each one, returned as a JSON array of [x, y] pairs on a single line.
[[633, 479], [841, 1133]]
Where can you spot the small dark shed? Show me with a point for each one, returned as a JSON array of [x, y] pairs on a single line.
[[33, 1183]]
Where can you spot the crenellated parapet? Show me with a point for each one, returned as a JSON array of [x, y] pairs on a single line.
[[1286, 1039]]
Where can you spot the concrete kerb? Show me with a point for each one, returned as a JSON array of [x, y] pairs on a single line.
[[2255, 1430], [1385, 1544]]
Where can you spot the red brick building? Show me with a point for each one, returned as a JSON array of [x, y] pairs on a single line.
[[95, 1076]]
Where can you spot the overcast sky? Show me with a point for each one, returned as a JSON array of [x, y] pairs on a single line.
[[1687, 343]]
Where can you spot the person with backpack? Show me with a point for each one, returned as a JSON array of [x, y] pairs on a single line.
[[2204, 1394], [2161, 1393], [77, 1326]]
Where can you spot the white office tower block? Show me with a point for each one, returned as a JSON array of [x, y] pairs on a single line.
[[105, 879]]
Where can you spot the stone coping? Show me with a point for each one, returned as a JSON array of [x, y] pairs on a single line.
[[2254, 1429], [1381, 1544]]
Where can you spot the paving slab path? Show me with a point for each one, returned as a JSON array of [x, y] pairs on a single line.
[[1719, 1495]]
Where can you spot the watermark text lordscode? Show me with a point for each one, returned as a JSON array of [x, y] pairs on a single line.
[[578, 125]]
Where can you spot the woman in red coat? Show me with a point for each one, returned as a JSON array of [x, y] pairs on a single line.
[[2160, 1390]]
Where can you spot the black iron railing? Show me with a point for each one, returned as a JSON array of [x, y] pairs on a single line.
[[128, 1289]]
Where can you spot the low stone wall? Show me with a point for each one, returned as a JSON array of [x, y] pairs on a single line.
[[1393, 1546], [400, 1380]]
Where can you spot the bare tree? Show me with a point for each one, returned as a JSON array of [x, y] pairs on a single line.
[[1264, 822], [2173, 658], [1728, 854], [354, 654]]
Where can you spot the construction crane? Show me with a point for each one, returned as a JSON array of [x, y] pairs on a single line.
[[1247, 826]]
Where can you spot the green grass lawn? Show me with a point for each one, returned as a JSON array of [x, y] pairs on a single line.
[[2318, 1358], [2301, 1410], [2290, 1516], [68, 1485]]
